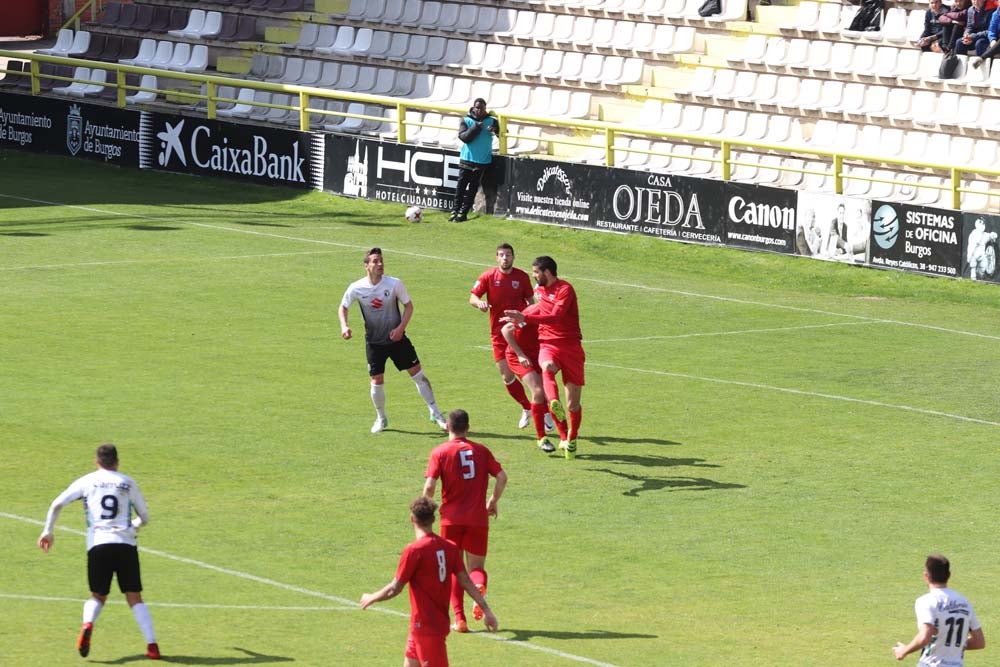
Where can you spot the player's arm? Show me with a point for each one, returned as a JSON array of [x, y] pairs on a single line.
[[139, 505], [397, 333], [478, 303], [490, 619], [345, 330], [508, 333], [564, 298], [977, 640], [389, 591], [430, 485], [498, 486], [923, 637], [47, 537]]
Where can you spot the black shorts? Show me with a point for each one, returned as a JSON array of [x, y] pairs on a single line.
[[402, 353], [106, 560]]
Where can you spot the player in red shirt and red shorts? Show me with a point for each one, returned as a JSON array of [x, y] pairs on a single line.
[[428, 564], [464, 468], [504, 288], [522, 358], [557, 315]]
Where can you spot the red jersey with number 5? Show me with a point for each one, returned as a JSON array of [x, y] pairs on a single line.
[[427, 565], [464, 468]]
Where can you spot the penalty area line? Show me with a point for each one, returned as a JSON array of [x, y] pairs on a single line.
[[349, 604]]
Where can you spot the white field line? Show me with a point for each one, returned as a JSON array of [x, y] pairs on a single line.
[[349, 604], [178, 260], [453, 260], [181, 605], [736, 332], [800, 392]]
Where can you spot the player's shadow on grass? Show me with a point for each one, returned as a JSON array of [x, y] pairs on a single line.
[[647, 461], [250, 658], [614, 440], [669, 483], [24, 234], [153, 228], [528, 635]]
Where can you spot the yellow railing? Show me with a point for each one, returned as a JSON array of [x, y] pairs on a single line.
[[95, 8], [303, 95]]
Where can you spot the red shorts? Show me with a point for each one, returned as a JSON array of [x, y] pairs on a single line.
[[473, 539], [499, 345], [568, 356], [428, 650], [516, 367]]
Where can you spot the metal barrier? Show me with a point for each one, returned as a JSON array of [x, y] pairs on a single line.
[[836, 161]]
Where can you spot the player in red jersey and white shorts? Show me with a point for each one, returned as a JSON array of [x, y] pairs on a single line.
[[522, 358], [464, 468], [504, 287], [557, 315], [428, 565]]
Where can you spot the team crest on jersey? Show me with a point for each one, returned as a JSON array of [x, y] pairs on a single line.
[[515, 283]]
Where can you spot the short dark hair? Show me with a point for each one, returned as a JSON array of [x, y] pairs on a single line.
[[545, 263], [478, 100], [458, 421], [938, 568], [107, 455], [374, 251], [505, 246], [423, 509]]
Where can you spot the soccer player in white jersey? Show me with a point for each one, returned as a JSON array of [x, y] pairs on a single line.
[[108, 500], [379, 297], [947, 626]]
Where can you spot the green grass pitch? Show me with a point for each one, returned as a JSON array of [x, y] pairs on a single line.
[[770, 446]]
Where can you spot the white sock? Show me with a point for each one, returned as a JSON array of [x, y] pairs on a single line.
[[378, 399], [91, 610], [426, 393], [145, 621]]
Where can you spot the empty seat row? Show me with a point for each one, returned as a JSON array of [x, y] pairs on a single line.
[[224, 27], [69, 43], [176, 56], [143, 17], [92, 83], [268, 5]]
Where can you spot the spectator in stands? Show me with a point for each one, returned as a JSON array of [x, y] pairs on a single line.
[[954, 24], [993, 35], [933, 28], [476, 132], [977, 24]]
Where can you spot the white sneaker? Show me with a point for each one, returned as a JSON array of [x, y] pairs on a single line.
[[440, 421], [380, 424], [549, 424], [525, 419]]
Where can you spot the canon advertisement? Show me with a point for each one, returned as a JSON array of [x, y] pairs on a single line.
[[265, 155], [760, 217], [916, 238], [67, 127]]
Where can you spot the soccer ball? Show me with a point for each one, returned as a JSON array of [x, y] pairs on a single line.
[[414, 214]]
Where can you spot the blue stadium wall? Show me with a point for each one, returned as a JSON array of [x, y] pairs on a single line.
[[888, 235]]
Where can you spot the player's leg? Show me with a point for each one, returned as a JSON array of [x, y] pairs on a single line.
[[404, 356], [476, 541], [431, 650], [456, 534], [100, 571], [573, 360], [550, 366], [514, 388], [130, 583], [410, 658], [539, 410], [377, 355]]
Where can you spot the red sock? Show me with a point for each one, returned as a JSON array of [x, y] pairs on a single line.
[[478, 576], [551, 388], [457, 598], [538, 412], [516, 391], [574, 422]]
